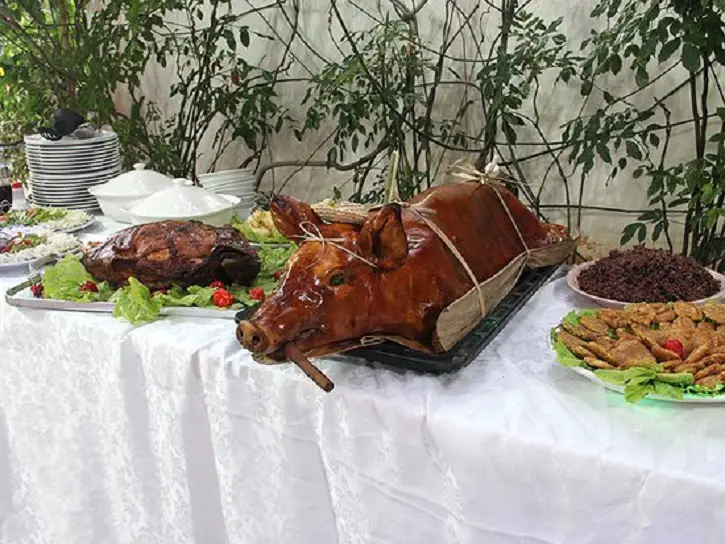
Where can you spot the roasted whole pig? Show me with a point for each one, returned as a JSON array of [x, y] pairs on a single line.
[[395, 275], [169, 253]]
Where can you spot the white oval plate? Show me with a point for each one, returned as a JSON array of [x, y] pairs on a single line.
[[79, 228], [572, 278], [11, 266], [588, 374]]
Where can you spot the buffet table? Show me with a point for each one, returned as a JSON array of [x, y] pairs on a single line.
[[170, 433]]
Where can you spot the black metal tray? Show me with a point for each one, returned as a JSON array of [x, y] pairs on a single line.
[[397, 356]]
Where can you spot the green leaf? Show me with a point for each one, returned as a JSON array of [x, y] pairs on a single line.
[[668, 391], [615, 64], [586, 88], [565, 357], [633, 150], [603, 152], [615, 377], [654, 140], [135, 304], [691, 58], [641, 77], [631, 230], [683, 378], [669, 49], [244, 36], [633, 393]]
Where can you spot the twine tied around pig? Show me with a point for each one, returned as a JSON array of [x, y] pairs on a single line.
[[491, 172], [392, 196], [314, 235]]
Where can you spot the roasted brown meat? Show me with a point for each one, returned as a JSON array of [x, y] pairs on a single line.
[[183, 253]]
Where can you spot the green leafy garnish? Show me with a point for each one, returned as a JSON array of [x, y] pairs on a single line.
[[638, 382], [33, 216], [564, 356], [193, 296], [64, 280], [135, 304]]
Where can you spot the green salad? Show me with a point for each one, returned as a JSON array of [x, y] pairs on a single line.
[[69, 280], [21, 243], [638, 381], [32, 217]]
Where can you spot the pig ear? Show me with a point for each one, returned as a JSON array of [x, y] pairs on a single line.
[[383, 240], [288, 213]]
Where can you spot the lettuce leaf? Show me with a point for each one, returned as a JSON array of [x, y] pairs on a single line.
[[565, 357], [63, 281], [615, 377], [200, 297], [135, 304]]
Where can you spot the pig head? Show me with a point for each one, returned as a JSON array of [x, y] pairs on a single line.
[[390, 276]]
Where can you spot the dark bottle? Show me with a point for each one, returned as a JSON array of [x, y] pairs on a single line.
[[6, 191]]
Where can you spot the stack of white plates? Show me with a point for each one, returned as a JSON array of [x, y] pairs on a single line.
[[62, 172], [239, 183]]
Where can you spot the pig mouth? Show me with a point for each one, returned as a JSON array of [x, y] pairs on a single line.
[[258, 340]]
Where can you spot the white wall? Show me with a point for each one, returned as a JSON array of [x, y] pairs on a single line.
[[557, 106]]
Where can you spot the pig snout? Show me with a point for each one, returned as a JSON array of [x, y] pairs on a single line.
[[255, 338]]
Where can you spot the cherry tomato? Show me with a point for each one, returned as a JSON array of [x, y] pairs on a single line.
[[675, 346], [217, 284], [253, 252], [31, 212], [256, 293], [89, 286], [161, 291], [278, 274], [223, 298], [37, 289]]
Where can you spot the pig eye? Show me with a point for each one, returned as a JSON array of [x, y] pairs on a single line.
[[337, 279]]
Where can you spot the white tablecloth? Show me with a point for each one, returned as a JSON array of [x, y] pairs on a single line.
[[170, 433]]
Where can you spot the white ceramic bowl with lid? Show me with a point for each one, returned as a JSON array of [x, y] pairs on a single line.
[[121, 192], [184, 201]]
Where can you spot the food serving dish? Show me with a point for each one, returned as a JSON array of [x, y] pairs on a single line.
[[121, 192], [572, 279], [20, 248], [89, 281], [183, 201], [398, 356], [665, 351], [22, 296], [57, 219]]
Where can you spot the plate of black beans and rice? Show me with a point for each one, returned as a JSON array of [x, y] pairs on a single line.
[[646, 275]]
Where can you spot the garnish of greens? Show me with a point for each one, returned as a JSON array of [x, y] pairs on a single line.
[[21, 243], [638, 382], [68, 280], [41, 216], [259, 228]]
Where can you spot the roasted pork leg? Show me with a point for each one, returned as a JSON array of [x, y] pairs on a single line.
[[168, 253]]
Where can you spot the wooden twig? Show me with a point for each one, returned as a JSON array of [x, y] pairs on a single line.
[[314, 373]]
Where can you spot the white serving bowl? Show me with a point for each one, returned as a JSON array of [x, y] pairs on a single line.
[[184, 202], [122, 192]]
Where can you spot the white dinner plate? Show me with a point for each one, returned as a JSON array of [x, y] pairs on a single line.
[[588, 374], [32, 140], [107, 173], [4, 267], [79, 228], [572, 279]]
